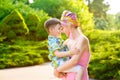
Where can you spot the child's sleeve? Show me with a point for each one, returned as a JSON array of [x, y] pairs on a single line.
[[55, 46]]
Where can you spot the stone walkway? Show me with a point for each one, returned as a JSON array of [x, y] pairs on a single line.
[[38, 72]]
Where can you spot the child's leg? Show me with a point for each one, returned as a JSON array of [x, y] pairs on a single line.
[[79, 74], [79, 70]]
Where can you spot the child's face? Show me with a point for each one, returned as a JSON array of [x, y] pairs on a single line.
[[56, 31]]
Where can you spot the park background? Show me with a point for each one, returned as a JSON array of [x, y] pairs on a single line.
[[23, 40]]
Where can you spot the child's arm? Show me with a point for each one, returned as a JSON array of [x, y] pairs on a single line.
[[65, 53], [62, 54]]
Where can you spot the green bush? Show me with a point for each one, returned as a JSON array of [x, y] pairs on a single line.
[[11, 35], [23, 53], [13, 25], [105, 57], [5, 8], [33, 19], [35, 23]]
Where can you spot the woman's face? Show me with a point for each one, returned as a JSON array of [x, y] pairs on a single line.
[[66, 28]]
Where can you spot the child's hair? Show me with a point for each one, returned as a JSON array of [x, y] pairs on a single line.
[[51, 23]]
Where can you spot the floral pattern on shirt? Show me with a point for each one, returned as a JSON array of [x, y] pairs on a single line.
[[56, 44]]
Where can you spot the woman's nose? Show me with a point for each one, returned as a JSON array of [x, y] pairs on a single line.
[[63, 24]]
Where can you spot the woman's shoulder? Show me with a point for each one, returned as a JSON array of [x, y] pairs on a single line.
[[65, 42], [86, 38], [83, 39]]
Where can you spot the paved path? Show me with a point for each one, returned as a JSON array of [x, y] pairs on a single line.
[[39, 72]]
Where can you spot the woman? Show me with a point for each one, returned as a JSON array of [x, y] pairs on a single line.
[[76, 41]]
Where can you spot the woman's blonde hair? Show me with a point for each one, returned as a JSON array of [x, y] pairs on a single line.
[[71, 17]]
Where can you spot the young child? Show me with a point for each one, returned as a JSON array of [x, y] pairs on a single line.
[[59, 53]]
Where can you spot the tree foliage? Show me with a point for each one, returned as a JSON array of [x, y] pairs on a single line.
[[98, 7], [117, 20], [111, 22], [5, 8], [101, 24], [55, 8]]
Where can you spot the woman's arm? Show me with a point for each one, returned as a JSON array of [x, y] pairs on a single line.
[[65, 53], [75, 58], [62, 54]]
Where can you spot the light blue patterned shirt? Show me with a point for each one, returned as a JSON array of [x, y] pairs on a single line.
[[55, 43]]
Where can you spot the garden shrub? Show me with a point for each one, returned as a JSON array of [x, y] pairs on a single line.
[[105, 57], [5, 8], [23, 53], [41, 31], [35, 24], [11, 35], [34, 20], [13, 26], [2, 37]]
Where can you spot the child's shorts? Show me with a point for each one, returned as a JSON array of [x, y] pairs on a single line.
[[73, 69]]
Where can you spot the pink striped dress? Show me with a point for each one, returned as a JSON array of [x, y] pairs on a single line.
[[84, 61]]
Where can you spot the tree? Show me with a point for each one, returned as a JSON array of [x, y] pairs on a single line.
[[101, 24], [117, 20], [111, 22], [55, 8], [52, 7], [23, 1], [98, 7]]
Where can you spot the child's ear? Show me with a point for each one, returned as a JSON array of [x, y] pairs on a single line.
[[50, 29]]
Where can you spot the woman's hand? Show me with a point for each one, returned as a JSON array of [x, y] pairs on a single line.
[[59, 74], [74, 51]]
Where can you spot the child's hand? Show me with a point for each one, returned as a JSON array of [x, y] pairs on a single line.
[[74, 51], [59, 74]]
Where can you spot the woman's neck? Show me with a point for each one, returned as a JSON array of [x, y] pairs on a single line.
[[75, 33]]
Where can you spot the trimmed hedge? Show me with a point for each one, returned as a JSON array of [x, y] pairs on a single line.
[[35, 23], [13, 26], [105, 54], [23, 53]]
